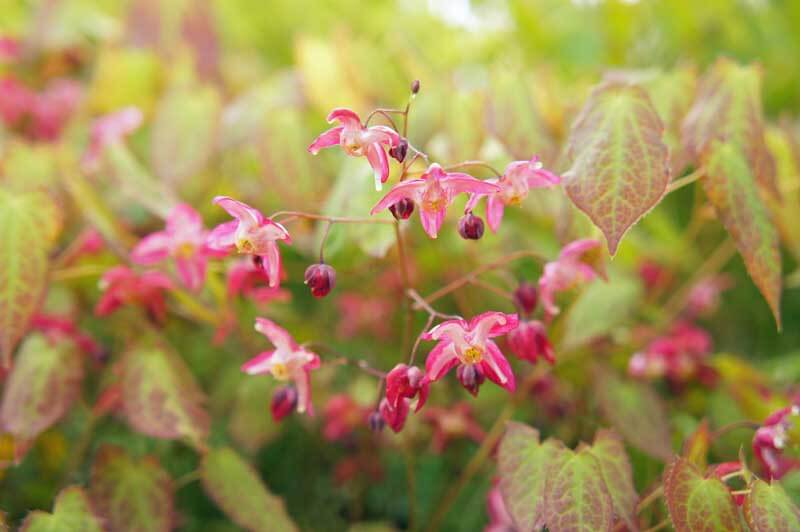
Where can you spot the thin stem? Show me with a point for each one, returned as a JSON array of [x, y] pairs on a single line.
[[187, 479], [650, 498], [740, 492], [322, 242], [686, 180], [384, 113], [745, 424], [414, 349], [409, 312], [482, 164], [332, 219], [420, 303], [662, 524], [492, 288]]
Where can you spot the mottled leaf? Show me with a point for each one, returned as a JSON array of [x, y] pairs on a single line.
[[71, 512], [522, 465], [731, 189], [131, 495], [160, 396], [636, 411], [696, 446], [768, 507], [44, 382], [617, 475], [29, 225], [698, 504], [619, 160], [239, 492]]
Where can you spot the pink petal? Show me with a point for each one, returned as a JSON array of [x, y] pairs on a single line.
[[109, 129], [441, 359], [272, 264], [302, 380], [387, 135], [380, 164], [152, 248], [575, 249], [494, 211], [452, 329], [432, 221], [472, 202], [497, 369], [457, 183], [223, 237], [279, 337], [403, 189], [346, 117], [183, 219], [543, 179], [326, 140], [492, 323], [192, 271], [258, 364], [239, 210], [154, 279]]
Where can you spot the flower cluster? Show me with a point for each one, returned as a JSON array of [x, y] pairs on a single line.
[[774, 438], [679, 356]]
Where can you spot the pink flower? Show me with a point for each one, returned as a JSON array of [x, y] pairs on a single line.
[[357, 140], [249, 280], [468, 344], [679, 355], [283, 403], [518, 178], [773, 437], [52, 108], [704, 297], [433, 192], [499, 518], [16, 101], [107, 130], [405, 383], [62, 327], [122, 286], [342, 417], [10, 49], [529, 341], [251, 233], [394, 417], [288, 361], [565, 273], [452, 423], [184, 241], [724, 469]]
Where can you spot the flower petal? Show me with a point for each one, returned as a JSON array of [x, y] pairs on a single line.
[[347, 117], [441, 359], [491, 324], [272, 264], [495, 208], [192, 271], [404, 189], [239, 210], [457, 183], [302, 380], [326, 140], [497, 369], [386, 135], [452, 329], [152, 248], [223, 237], [543, 179], [432, 221], [380, 164], [279, 337], [575, 249], [259, 364], [184, 220]]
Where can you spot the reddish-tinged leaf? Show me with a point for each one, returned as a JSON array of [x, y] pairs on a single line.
[[160, 396], [768, 507], [577, 499], [698, 504], [728, 108], [43, 383], [731, 188], [71, 512], [695, 448], [617, 475], [130, 495], [636, 411], [620, 164], [239, 492], [522, 465]]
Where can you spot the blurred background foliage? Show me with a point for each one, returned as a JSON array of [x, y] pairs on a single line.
[[234, 90]]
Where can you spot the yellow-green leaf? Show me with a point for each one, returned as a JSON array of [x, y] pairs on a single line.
[[617, 474], [71, 512], [768, 507]]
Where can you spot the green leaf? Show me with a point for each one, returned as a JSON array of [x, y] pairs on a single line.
[[131, 495], [636, 411], [620, 164], [29, 225], [768, 507], [249, 424], [160, 396], [697, 503], [522, 465], [697, 445], [44, 382], [731, 188], [71, 512], [577, 497], [239, 492], [617, 474]]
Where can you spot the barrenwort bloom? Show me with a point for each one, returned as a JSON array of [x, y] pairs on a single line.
[[402, 210], [404, 383], [470, 227], [469, 344], [250, 233], [358, 140], [122, 286], [320, 278], [526, 297], [680, 356], [283, 403], [394, 417], [471, 378], [107, 130], [772, 439], [184, 241], [433, 192], [287, 362], [529, 342], [565, 273]]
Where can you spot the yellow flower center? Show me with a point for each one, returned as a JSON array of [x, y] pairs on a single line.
[[185, 250], [244, 245], [473, 354], [433, 204], [514, 200], [280, 371]]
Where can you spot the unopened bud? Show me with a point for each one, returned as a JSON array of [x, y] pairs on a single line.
[[470, 227], [376, 422], [258, 262], [321, 278], [415, 87], [403, 209], [399, 152], [526, 296], [471, 377], [284, 401]]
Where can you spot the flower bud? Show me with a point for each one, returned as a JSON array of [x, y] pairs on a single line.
[[403, 209], [415, 87], [470, 227], [529, 342], [526, 296], [321, 278], [399, 152], [284, 401], [258, 262], [471, 377], [376, 422]]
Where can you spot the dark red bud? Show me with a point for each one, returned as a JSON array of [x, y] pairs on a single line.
[[376, 422], [284, 401], [321, 278], [258, 262], [415, 86], [403, 209], [470, 227], [399, 152], [471, 377], [526, 296]]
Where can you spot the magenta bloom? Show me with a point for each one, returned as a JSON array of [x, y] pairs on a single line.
[[771, 440], [287, 362], [357, 140], [500, 519], [122, 286], [58, 328], [251, 233], [249, 280], [107, 130], [406, 383], [565, 273], [433, 192], [518, 178], [343, 415], [394, 417], [680, 356], [529, 342], [469, 344], [184, 241]]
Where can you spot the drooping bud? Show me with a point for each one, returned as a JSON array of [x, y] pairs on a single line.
[[376, 422], [471, 377], [394, 417], [470, 227], [321, 278], [526, 296], [402, 209], [406, 382], [399, 152], [415, 87], [258, 262], [284, 401], [529, 342]]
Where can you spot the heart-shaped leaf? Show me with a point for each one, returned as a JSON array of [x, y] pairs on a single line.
[[768, 507], [731, 188], [620, 164], [617, 475], [696, 446], [131, 495], [239, 492], [44, 382], [696, 503], [160, 396], [71, 512]]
